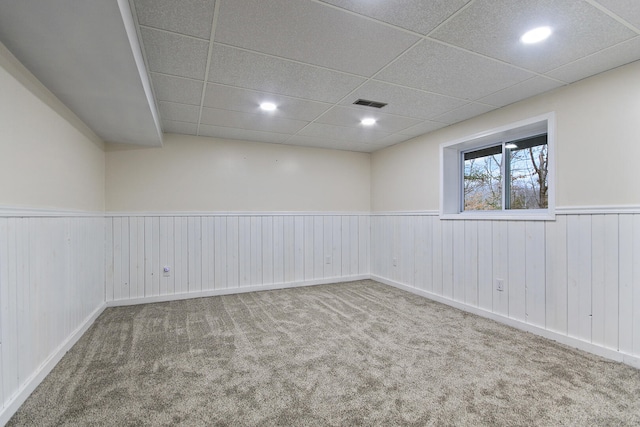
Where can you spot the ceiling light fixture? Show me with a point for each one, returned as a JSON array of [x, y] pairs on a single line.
[[368, 122], [268, 106], [510, 146], [536, 35]]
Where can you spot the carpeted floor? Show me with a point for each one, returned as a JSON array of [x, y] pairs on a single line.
[[357, 353]]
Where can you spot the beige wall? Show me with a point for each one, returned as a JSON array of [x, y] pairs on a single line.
[[45, 161], [597, 147], [205, 174]]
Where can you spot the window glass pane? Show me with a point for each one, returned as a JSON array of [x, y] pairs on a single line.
[[483, 180], [528, 166]]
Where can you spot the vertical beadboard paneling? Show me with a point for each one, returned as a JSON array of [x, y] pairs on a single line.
[[244, 251], [307, 254], [336, 245], [133, 257], [148, 244], [221, 252], [517, 270], [500, 247], [407, 251], [318, 247], [422, 261], [4, 302], [556, 275], [10, 314], [609, 312], [327, 240], [109, 268], [625, 293], [125, 261], [636, 285], [299, 248], [53, 274], [206, 263], [470, 267], [117, 258], [485, 265], [436, 253], [535, 286], [598, 277], [256, 250], [232, 254], [267, 250], [289, 248], [577, 276], [345, 239], [458, 263], [447, 258], [364, 239], [278, 249]]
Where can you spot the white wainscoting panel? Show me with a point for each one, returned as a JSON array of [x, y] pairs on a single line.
[[226, 253], [51, 290], [576, 277]]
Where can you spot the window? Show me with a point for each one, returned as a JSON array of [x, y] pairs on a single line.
[[503, 173]]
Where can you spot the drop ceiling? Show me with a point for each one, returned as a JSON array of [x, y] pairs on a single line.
[[212, 62]]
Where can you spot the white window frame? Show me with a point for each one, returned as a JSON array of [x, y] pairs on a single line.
[[451, 172]]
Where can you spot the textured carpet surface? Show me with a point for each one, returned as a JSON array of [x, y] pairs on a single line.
[[357, 353]]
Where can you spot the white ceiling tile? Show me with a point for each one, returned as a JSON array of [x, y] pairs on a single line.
[[248, 101], [169, 126], [244, 69], [422, 128], [340, 133], [629, 10], [190, 17], [604, 60], [174, 54], [177, 89], [351, 117], [178, 112], [525, 89], [415, 15], [404, 101], [449, 71], [310, 32], [494, 28], [463, 113], [259, 122], [242, 134]]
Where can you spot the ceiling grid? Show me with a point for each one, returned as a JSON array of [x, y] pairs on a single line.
[[211, 63]]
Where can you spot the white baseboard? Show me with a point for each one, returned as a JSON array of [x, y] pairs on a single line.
[[607, 353], [230, 291], [25, 390]]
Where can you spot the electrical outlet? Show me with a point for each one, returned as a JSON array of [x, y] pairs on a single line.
[[500, 285], [327, 260], [395, 262], [166, 271]]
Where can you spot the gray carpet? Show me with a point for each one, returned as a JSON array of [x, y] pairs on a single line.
[[357, 353]]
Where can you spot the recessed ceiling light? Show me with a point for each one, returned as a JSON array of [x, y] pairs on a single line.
[[368, 122], [268, 106], [536, 35]]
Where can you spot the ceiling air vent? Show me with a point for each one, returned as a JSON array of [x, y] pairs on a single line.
[[367, 103]]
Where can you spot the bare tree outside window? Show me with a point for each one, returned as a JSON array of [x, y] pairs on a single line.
[[483, 183], [526, 177], [529, 184]]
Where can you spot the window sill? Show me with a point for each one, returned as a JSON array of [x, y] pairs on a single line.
[[530, 215]]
